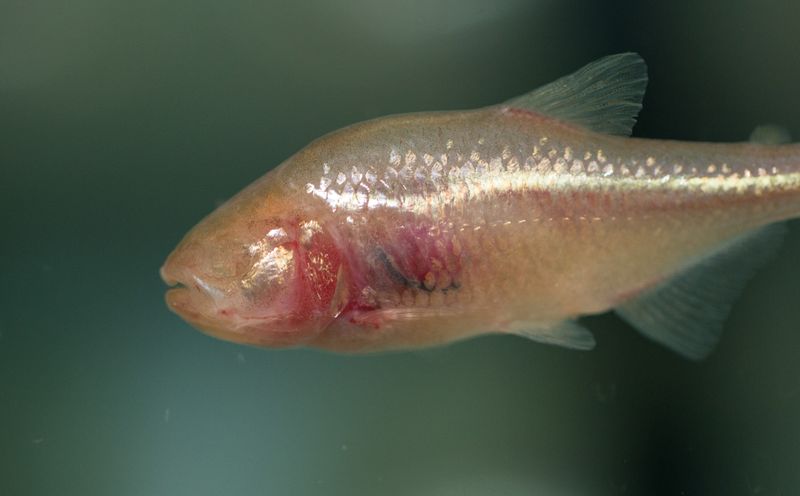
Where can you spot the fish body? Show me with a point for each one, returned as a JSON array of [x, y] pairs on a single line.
[[421, 229]]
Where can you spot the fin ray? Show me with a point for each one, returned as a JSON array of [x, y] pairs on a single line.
[[770, 134], [604, 96], [686, 313], [568, 334]]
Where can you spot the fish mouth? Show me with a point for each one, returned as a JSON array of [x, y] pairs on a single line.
[[167, 277], [182, 300], [195, 302], [179, 300], [181, 296], [178, 297], [189, 298]]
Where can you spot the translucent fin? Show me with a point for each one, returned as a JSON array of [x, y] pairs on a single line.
[[686, 312], [770, 134], [569, 334], [341, 295], [604, 96]]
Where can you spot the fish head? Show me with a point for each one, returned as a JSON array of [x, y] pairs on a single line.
[[256, 271]]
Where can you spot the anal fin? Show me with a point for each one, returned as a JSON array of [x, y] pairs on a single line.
[[686, 313], [568, 334]]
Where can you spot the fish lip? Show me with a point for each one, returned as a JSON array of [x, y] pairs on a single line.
[[167, 278], [179, 295], [174, 281], [184, 289], [187, 297], [178, 300], [236, 328]]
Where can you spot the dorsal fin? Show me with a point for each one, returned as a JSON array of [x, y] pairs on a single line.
[[604, 96]]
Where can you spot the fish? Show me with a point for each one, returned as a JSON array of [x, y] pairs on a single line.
[[423, 229]]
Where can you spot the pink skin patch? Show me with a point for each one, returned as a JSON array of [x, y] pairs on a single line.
[[417, 257], [407, 255], [317, 261]]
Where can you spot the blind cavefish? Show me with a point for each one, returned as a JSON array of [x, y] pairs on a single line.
[[422, 229]]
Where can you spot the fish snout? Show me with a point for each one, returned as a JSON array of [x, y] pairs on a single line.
[[190, 290], [197, 302], [176, 267]]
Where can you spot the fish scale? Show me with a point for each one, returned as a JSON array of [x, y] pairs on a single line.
[[517, 218]]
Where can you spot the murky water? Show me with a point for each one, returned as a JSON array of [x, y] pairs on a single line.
[[123, 123]]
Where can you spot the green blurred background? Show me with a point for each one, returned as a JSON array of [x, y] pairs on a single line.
[[122, 123]]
